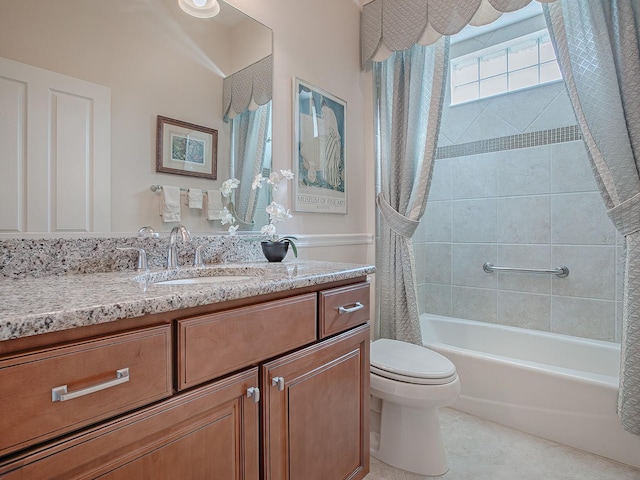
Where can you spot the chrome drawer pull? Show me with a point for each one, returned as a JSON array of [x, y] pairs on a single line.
[[59, 394], [254, 392], [355, 308], [278, 382]]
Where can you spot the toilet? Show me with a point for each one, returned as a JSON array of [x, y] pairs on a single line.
[[409, 383]]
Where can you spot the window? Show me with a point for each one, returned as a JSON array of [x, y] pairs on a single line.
[[519, 63]]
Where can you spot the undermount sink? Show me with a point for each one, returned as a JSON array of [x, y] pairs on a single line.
[[211, 275], [198, 280]]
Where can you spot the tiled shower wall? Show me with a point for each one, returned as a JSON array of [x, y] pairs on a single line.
[[529, 201]]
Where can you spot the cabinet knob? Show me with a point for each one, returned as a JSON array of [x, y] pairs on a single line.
[[254, 392], [278, 382]]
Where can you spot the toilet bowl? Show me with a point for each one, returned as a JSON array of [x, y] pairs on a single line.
[[409, 383]]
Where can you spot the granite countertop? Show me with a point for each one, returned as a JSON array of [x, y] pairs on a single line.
[[32, 306]]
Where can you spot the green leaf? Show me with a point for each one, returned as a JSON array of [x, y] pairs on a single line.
[[293, 247]]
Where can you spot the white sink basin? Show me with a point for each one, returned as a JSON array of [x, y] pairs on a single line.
[[198, 280]]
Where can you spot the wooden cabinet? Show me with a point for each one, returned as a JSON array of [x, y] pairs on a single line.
[[316, 411], [275, 390]]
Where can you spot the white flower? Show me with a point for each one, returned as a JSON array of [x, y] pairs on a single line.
[[226, 217], [257, 181], [288, 174], [277, 213], [269, 229], [274, 180], [228, 186]]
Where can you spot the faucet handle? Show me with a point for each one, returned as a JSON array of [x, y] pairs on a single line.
[[182, 230], [148, 232], [142, 257], [197, 259]]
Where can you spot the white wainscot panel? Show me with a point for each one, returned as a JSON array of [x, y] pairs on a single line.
[[13, 105]]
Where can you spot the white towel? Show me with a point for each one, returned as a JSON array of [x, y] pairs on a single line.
[[194, 198], [170, 204], [214, 205]]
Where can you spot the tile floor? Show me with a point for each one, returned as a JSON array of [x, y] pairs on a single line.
[[482, 450]]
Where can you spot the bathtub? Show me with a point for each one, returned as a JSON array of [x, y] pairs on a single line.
[[553, 386]]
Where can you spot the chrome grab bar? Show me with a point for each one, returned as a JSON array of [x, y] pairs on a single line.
[[560, 271]]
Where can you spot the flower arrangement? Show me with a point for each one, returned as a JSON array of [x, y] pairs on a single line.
[[277, 212], [226, 217]]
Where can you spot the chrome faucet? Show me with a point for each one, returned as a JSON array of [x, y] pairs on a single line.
[[142, 257], [172, 254], [198, 261]]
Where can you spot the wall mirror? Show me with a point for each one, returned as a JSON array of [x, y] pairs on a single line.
[[156, 60]]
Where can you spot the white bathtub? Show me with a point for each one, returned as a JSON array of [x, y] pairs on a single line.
[[553, 386]]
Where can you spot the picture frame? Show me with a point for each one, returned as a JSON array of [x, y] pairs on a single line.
[[319, 150], [184, 148]]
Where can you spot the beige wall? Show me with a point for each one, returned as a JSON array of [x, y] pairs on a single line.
[[318, 41]]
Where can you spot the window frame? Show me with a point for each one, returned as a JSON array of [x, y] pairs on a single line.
[[540, 36]]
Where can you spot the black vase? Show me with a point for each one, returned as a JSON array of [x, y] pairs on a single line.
[[275, 251]]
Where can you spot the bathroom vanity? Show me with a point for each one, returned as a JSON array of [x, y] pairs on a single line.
[[113, 375]]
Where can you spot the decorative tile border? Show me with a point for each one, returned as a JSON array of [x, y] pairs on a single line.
[[511, 142]]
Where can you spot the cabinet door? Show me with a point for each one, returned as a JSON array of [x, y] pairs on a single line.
[[207, 433], [316, 411]]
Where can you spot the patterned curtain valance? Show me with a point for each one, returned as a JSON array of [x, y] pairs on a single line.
[[248, 88], [389, 26]]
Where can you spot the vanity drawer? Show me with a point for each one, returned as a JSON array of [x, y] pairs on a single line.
[[212, 345], [103, 377], [343, 308]]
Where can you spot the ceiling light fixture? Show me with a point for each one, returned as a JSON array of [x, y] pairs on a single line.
[[200, 8]]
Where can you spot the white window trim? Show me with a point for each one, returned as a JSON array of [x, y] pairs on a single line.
[[479, 54]]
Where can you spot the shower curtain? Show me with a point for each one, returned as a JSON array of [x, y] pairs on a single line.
[[597, 44], [410, 90], [246, 103], [251, 153]]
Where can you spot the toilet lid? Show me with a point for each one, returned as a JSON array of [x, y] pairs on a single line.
[[410, 363]]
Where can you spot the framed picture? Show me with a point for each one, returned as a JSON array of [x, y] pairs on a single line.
[[186, 149], [319, 150]]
